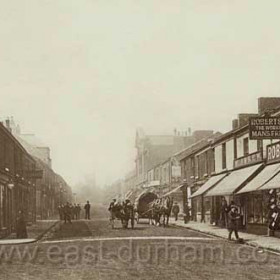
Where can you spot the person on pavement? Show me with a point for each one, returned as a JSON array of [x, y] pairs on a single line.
[[175, 210], [21, 225], [224, 212], [233, 218], [87, 211], [78, 211], [67, 211]]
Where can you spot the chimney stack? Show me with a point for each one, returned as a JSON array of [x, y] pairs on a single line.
[[7, 124], [267, 104]]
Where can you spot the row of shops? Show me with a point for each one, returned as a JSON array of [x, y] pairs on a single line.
[[212, 170], [248, 187], [26, 184], [229, 167]]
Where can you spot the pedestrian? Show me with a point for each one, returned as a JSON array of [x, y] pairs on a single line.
[[67, 212], [21, 225], [78, 211], [224, 212], [75, 211], [60, 212], [87, 211], [175, 210], [187, 215], [233, 218]]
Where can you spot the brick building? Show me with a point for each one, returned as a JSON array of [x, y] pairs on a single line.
[[17, 188]]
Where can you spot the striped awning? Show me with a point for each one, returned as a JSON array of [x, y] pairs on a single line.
[[234, 181], [214, 180], [262, 178]]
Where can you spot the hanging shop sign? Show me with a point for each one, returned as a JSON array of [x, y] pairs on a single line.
[[248, 160], [273, 152], [264, 128]]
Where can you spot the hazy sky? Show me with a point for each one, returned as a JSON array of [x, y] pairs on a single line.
[[84, 74]]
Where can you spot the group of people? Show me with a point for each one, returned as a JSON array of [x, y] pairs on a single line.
[[69, 212], [230, 217]]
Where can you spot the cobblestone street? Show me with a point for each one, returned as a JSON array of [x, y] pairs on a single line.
[[93, 250]]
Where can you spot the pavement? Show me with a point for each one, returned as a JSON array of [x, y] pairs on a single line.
[[34, 232], [261, 241]]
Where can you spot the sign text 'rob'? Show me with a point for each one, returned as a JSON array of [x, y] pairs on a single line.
[[273, 152]]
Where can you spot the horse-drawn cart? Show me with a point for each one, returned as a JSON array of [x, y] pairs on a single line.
[[142, 205]]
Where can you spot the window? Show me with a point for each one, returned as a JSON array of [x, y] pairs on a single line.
[[260, 145], [235, 148], [224, 156], [246, 146], [192, 167]]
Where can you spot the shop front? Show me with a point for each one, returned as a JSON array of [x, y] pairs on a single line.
[[6, 205], [227, 189], [201, 204], [255, 198]]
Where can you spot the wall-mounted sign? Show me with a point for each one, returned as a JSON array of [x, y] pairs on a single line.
[[264, 128], [248, 160], [273, 152]]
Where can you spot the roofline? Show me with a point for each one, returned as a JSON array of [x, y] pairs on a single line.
[[13, 138]]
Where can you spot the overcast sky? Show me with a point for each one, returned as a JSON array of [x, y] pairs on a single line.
[[82, 75]]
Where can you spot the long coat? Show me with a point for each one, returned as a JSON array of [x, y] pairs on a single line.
[[21, 226], [233, 220]]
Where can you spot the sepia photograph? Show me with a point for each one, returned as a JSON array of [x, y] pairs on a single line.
[[139, 140]]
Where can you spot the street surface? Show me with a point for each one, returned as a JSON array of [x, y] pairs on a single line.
[[93, 250]]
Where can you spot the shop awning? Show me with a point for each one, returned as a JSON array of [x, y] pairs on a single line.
[[274, 183], [128, 194], [210, 183], [262, 178], [233, 181], [174, 190]]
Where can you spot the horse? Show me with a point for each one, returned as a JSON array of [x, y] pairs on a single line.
[[124, 212], [160, 208]]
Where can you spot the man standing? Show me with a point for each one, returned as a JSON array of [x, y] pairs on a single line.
[[21, 225], [67, 211], [233, 218], [176, 210], [87, 209], [78, 211], [224, 211]]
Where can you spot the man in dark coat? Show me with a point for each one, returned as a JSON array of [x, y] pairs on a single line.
[[175, 210], [224, 211], [78, 211], [67, 211], [233, 218], [21, 226], [87, 210]]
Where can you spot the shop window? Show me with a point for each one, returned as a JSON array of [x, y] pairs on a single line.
[[257, 208], [250, 209], [246, 146], [258, 214]]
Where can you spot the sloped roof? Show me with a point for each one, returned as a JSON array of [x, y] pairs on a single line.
[[32, 140]]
